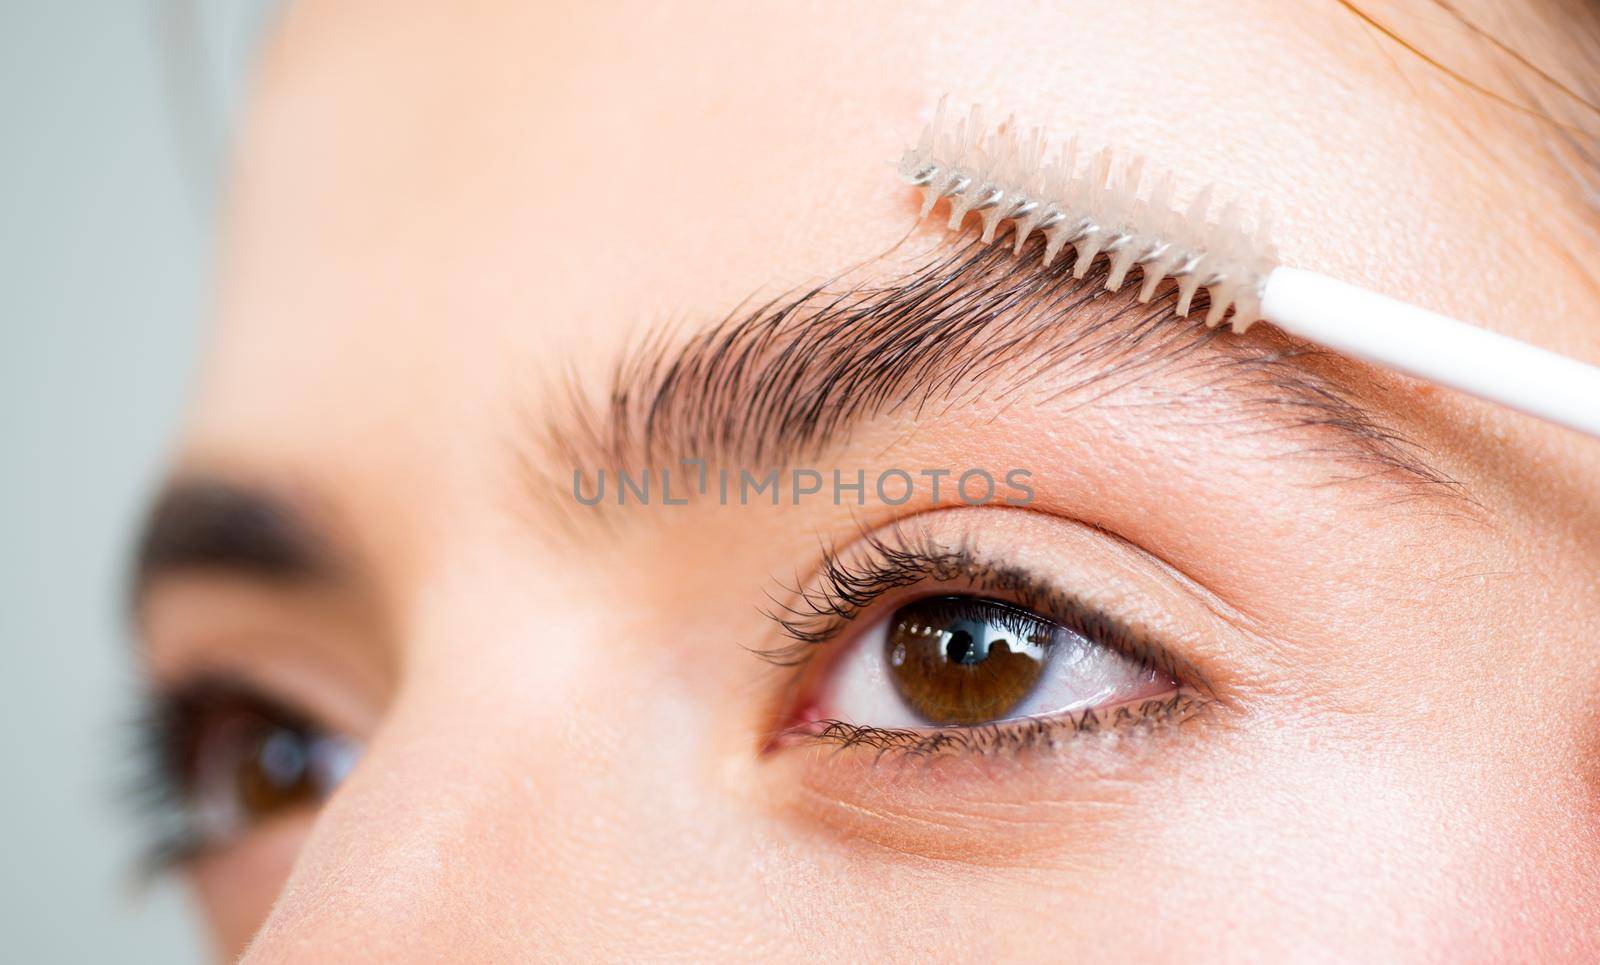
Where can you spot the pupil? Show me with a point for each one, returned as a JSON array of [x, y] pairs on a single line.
[[960, 648]]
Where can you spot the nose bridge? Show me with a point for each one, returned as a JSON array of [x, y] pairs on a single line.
[[445, 836], [418, 853], [521, 802]]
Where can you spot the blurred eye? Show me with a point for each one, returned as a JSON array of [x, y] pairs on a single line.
[[250, 766], [963, 661], [225, 760]]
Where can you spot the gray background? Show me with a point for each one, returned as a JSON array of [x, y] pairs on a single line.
[[112, 116]]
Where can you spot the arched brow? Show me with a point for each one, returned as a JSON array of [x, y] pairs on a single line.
[[791, 379], [215, 525]]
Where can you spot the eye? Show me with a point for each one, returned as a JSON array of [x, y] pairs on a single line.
[[961, 661], [224, 760], [251, 764]]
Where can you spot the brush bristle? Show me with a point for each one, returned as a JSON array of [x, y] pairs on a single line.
[[1093, 204]]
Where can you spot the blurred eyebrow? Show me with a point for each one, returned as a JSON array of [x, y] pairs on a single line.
[[219, 526], [789, 379]]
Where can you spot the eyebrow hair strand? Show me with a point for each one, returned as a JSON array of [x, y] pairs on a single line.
[[211, 524], [790, 378]]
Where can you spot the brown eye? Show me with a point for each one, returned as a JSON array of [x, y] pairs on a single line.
[[962, 660], [238, 761]]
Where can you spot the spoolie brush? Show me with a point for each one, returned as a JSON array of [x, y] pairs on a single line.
[[1095, 205]]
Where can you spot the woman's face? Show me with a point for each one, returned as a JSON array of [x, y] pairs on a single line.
[[1278, 652]]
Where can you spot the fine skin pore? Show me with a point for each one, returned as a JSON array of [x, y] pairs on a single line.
[[445, 218]]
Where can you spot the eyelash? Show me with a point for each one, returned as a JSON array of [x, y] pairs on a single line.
[[846, 588], [160, 789], [1009, 736]]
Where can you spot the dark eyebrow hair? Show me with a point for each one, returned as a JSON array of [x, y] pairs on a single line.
[[210, 524], [790, 378]]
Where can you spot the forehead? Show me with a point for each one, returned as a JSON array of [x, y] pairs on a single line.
[[432, 218]]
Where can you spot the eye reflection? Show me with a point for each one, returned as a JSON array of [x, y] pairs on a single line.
[[957, 660], [250, 766]]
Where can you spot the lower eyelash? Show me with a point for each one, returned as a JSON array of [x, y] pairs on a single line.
[[1003, 737]]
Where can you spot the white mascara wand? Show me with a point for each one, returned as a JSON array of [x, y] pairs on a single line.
[[1097, 209]]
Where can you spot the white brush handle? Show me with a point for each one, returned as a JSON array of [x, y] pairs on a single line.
[[1430, 346]]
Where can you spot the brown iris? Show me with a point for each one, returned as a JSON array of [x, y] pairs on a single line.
[[249, 763], [961, 660]]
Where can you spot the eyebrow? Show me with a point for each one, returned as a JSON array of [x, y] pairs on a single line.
[[217, 525], [791, 378]]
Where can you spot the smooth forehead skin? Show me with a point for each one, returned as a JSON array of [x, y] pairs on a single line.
[[440, 211]]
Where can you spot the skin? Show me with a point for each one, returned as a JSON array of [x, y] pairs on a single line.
[[439, 212]]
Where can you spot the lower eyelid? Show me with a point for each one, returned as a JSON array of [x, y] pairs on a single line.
[[992, 805], [1009, 736]]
